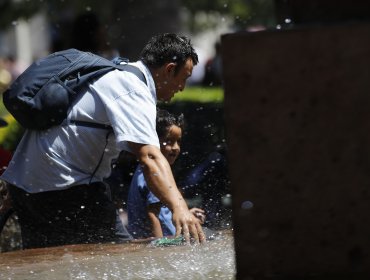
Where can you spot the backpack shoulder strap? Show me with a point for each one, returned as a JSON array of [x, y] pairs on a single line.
[[134, 70], [122, 64]]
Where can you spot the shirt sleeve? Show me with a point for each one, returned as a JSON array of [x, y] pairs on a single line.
[[130, 108]]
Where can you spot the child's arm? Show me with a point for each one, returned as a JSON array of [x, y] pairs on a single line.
[[153, 213], [159, 177]]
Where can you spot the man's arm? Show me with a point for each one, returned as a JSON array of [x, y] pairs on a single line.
[[160, 181]]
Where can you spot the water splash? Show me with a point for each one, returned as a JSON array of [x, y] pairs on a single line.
[[214, 260]]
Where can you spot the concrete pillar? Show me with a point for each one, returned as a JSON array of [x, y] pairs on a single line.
[[297, 109]]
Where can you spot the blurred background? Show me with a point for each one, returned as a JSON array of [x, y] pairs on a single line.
[[31, 29]]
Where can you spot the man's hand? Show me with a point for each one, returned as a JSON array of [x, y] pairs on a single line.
[[186, 223]]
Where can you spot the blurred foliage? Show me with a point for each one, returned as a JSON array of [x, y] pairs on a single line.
[[11, 134], [242, 12], [200, 94], [237, 9]]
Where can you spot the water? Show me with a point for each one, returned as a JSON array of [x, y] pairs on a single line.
[[214, 260]]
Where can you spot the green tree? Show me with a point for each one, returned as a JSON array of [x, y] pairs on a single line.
[[243, 12]]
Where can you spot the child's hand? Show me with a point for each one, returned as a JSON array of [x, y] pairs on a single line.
[[199, 214]]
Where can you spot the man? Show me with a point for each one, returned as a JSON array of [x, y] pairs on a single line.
[[55, 177]]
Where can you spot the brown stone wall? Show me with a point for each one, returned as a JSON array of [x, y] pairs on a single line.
[[297, 108]]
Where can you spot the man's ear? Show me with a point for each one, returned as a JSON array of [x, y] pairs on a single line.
[[170, 67]]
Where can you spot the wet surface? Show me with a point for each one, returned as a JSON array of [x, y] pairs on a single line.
[[213, 260]]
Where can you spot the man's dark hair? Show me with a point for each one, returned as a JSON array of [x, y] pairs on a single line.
[[168, 47], [165, 120]]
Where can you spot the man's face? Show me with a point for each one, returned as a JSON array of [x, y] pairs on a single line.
[[169, 82]]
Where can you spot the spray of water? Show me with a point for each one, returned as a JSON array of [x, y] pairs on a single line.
[[214, 260]]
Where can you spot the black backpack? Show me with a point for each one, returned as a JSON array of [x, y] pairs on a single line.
[[41, 96]]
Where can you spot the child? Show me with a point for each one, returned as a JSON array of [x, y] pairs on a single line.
[[147, 217]]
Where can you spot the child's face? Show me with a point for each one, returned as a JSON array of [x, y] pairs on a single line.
[[170, 144]]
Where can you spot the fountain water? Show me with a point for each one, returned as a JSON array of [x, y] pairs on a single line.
[[213, 260]]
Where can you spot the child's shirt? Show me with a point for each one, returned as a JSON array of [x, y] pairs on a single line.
[[139, 197]]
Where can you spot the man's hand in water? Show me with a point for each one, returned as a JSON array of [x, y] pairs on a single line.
[[188, 225]]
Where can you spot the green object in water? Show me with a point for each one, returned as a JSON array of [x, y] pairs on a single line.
[[166, 241]]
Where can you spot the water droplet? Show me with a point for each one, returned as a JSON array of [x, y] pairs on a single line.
[[278, 26], [246, 205], [287, 20]]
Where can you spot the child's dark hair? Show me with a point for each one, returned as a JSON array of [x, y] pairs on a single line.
[[165, 120], [168, 47]]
